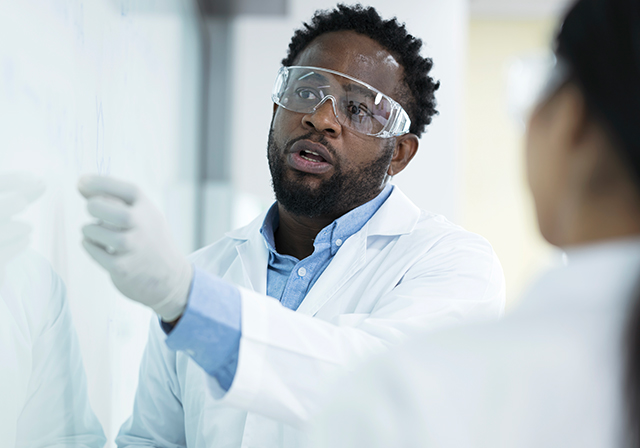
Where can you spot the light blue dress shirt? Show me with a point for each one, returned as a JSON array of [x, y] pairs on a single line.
[[210, 328]]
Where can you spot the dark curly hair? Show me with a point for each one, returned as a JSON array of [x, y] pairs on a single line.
[[418, 97]]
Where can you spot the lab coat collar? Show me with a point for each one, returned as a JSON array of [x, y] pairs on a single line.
[[397, 216], [246, 232], [602, 274], [620, 250]]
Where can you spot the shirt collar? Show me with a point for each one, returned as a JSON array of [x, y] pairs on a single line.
[[336, 233]]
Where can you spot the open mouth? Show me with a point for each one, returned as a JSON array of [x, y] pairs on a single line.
[[311, 156]]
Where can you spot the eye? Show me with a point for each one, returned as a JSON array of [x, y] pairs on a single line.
[[358, 111], [306, 93]]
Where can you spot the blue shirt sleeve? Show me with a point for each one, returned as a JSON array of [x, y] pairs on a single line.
[[209, 330]]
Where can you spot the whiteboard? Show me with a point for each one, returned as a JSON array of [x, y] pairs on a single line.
[[109, 87]]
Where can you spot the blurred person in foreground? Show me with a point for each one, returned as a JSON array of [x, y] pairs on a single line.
[[564, 369], [43, 396], [342, 266]]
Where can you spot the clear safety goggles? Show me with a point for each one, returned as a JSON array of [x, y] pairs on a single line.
[[531, 80], [356, 105]]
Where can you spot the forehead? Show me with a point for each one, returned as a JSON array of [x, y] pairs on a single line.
[[355, 55]]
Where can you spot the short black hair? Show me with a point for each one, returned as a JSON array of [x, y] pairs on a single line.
[[392, 35]]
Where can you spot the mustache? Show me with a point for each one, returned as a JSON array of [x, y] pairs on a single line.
[[312, 136]]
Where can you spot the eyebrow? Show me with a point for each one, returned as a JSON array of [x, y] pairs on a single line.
[[349, 87], [312, 75], [360, 89]]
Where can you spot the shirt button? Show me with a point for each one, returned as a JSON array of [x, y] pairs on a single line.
[[338, 243], [302, 272]]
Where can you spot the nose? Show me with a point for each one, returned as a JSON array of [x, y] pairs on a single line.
[[323, 119]]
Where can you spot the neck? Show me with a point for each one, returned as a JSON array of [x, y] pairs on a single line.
[[614, 218], [295, 234]]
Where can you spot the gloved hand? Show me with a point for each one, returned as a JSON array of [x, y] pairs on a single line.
[[17, 191], [132, 242]]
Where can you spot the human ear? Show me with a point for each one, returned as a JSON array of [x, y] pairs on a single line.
[[572, 123], [406, 148]]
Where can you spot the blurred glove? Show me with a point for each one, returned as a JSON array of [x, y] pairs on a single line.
[[17, 191], [132, 242]]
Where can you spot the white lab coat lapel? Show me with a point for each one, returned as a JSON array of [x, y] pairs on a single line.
[[250, 268], [397, 216], [348, 260]]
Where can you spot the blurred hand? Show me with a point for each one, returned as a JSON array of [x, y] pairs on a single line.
[[132, 242], [17, 191]]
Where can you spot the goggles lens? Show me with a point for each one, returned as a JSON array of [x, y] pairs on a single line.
[[356, 105], [531, 80]]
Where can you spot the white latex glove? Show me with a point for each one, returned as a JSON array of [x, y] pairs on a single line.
[[132, 242], [17, 191]]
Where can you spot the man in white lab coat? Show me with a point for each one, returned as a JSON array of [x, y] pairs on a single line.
[[563, 369], [342, 266], [43, 392]]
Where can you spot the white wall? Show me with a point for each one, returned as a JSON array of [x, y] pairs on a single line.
[[431, 180]]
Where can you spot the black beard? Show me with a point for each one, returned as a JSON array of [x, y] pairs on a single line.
[[342, 192]]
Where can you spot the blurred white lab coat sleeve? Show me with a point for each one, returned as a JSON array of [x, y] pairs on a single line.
[[158, 417], [56, 408]]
